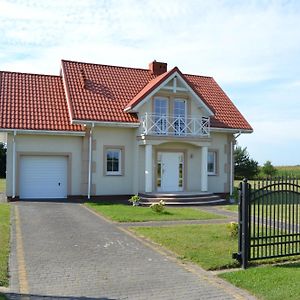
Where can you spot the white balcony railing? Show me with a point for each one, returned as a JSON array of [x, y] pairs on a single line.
[[153, 124]]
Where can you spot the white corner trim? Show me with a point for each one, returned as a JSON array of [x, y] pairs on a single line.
[[108, 124], [44, 132]]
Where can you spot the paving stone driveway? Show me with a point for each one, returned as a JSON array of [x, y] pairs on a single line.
[[70, 252]]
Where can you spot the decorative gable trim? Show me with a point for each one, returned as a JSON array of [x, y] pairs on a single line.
[[175, 74]]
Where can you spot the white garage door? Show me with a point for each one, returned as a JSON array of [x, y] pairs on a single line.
[[43, 177]]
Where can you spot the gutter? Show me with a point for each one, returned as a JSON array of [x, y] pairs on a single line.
[[90, 161], [106, 123], [14, 166], [44, 132]]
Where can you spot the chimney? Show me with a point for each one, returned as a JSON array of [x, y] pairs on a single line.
[[157, 68]]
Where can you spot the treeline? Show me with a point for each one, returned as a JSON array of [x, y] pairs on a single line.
[[246, 167]]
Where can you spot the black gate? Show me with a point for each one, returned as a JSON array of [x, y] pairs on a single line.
[[269, 219]]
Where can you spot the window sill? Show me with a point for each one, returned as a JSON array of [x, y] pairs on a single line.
[[113, 174]]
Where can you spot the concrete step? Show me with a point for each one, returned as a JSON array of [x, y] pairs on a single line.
[[181, 199]]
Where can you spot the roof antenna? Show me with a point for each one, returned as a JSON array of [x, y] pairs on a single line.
[[83, 78]]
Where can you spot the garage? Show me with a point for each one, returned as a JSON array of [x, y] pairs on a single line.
[[43, 177]]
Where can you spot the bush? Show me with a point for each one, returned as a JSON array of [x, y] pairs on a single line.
[[158, 207], [135, 200], [244, 166], [233, 228], [268, 169]]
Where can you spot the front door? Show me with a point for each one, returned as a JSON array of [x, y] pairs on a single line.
[[170, 171]]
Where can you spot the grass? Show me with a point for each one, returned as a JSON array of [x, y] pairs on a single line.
[[4, 243], [288, 171], [269, 282], [2, 297], [129, 213], [210, 246], [231, 207], [2, 185]]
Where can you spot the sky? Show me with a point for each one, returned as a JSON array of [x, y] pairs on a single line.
[[251, 48]]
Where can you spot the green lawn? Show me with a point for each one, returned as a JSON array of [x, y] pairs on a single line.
[[2, 297], [4, 242], [2, 185], [129, 213], [210, 246], [269, 282], [231, 207]]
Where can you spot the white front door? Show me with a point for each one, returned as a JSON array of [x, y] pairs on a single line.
[[171, 164]]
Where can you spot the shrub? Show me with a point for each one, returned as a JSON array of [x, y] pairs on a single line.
[[233, 228], [158, 207], [135, 200]]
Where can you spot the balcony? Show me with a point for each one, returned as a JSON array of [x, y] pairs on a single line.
[[164, 125]]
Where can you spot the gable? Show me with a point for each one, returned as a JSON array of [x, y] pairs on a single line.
[[173, 82]]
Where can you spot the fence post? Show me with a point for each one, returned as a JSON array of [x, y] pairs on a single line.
[[245, 223], [240, 220]]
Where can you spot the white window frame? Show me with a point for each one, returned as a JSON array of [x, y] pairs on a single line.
[[114, 173], [179, 130], [215, 154]]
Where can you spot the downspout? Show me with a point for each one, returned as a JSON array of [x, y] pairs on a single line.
[[14, 166], [232, 143], [90, 161]]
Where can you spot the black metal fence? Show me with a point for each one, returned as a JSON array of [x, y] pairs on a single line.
[[269, 219]]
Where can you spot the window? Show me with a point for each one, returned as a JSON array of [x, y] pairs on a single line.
[[161, 112], [113, 161], [212, 163], [179, 116]]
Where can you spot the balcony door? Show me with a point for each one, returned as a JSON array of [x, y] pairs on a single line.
[[179, 116], [161, 115]]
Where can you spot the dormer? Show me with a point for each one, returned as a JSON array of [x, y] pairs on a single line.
[[169, 105]]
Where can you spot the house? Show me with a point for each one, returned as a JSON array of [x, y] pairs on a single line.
[[98, 130]]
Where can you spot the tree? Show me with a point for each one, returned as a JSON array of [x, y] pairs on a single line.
[[2, 160], [268, 169], [244, 166]]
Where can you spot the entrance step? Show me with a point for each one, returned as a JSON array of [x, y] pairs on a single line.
[[181, 198]]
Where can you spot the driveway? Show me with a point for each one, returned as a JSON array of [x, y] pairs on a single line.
[[64, 250]]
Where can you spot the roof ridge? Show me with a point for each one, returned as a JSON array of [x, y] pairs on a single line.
[[104, 65], [194, 75], [26, 73]]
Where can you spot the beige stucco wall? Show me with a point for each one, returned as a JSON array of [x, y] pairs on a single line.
[[114, 185], [220, 183], [32, 144], [133, 178]]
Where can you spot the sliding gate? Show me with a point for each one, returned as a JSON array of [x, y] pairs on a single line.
[[269, 219]]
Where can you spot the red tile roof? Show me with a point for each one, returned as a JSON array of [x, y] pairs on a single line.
[[33, 102], [109, 90], [226, 115], [96, 93]]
